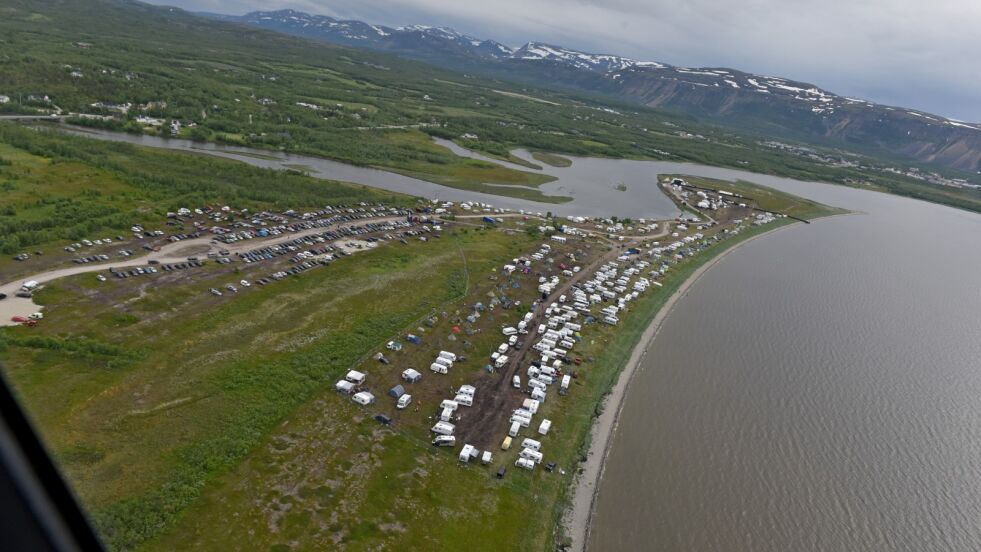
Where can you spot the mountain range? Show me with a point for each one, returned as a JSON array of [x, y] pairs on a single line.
[[767, 105]]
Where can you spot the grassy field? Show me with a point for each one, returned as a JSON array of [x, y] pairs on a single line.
[[141, 433], [190, 421], [241, 85], [58, 189], [551, 159]]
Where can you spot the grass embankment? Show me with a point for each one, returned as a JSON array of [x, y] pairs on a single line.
[[551, 159]]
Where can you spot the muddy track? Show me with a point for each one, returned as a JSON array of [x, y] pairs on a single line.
[[484, 423]]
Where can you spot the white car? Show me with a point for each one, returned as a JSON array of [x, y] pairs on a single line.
[[100, 278], [245, 283]]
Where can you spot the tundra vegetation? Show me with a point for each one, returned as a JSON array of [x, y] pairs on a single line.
[[240, 85], [188, 420]]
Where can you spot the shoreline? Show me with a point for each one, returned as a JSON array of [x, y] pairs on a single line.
[[579, 514]]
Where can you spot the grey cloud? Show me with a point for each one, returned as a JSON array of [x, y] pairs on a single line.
[[905, 52]]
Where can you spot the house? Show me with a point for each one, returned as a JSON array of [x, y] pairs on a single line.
[[4, 99]]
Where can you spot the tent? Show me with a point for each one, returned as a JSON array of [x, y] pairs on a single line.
[[396, 391]]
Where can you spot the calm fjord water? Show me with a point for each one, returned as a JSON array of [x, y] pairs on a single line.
[[819, 389]]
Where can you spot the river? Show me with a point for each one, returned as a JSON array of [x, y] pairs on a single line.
[[597, 186], [818, 390]]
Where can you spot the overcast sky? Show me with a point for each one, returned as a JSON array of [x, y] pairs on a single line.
[[924, 54]]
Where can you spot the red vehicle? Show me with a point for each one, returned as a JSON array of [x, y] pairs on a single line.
[[18, 319]]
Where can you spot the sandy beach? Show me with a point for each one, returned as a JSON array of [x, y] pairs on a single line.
[[578, 516]]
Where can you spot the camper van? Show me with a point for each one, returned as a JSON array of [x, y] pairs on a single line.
[[438, 368], [486, 457], [531, 444], [446, 415], [501, 361], [509, 331], [564, 386], [536, 383], [355, 377], [515, 428], [465, 400], [467, 390], [525, 464], [443, 428], [465, 453], [452, 405], [546, 425], [538, 394], [507, 443], [363, 398], [344, 386], [403, 401], [444, 441], [448, 356], [531, 405], [532, 455]]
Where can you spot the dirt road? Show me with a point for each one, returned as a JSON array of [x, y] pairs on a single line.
[[170, 253], [496, 398]]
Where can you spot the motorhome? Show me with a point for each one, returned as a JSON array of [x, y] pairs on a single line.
[[438, 368], [564, 386], [444, 441], [355, 377], [531, 444], [544, 427], [532, 455], [443, 428], [524, 463], [363, 398], [403, 401]]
